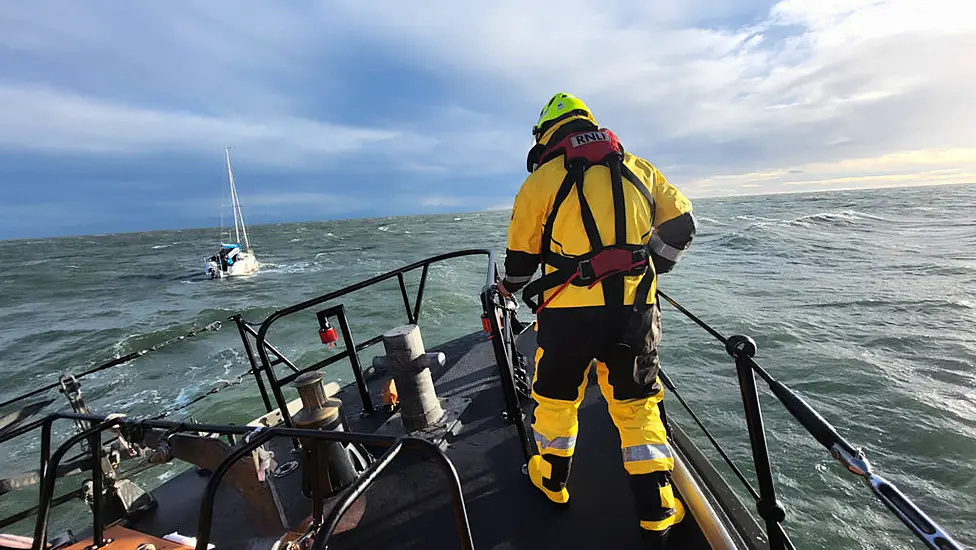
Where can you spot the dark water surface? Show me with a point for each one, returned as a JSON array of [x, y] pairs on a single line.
[[865, 302]]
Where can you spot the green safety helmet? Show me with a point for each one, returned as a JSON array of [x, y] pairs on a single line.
[[560, 107]]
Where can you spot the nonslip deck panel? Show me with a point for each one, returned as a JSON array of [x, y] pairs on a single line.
[[409, 505]]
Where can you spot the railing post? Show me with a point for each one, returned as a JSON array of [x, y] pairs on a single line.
[[45, 454], [357, 368], [499, 324], [406, 299], [742, 349], [50, 478], [273, 382], [420, 293], [254, 364], [98, 504]]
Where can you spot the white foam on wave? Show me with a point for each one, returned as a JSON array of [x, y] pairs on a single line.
[[846, 217], [160, 246], [843, 215], [383, 228], [298, 267], [119, 349], [31, 263]]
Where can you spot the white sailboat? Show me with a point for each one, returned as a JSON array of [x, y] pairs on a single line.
[[232, 259]]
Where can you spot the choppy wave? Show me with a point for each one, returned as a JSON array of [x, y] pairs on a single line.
[[843, 216], [879, 322]]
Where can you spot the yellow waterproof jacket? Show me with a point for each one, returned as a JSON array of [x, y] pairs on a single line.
[[666, 227]]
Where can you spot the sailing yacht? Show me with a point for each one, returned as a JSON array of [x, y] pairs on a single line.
[[232, 259]]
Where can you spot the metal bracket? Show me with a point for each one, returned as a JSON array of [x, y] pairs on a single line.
[[857, 463], [71, 388]]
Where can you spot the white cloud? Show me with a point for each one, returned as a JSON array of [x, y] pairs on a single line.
[[45, 119], [924, 167], [707, 89], [810, 81]]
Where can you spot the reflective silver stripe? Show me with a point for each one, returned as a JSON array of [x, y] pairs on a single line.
[[637, 453], [560, 443], [514, 279], [665, 250]]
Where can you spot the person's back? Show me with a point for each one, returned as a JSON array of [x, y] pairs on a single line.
[[569, 237], [600, 221]]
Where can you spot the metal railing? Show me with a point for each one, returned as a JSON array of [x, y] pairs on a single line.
[[742, 349], [49, 463], [263, 364], [500, 314], [502, 325], [270, 388]]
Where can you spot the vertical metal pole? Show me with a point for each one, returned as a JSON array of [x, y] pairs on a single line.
[[98, 510], [504, 360], [45, 453], [275, 387], [406, 300], [254, 364], [768, 508], [357, 368], [50, 478], [420, 293]]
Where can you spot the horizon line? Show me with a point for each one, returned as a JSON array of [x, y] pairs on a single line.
[[365, 218]]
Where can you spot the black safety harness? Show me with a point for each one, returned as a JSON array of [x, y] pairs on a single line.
[[583, 150]]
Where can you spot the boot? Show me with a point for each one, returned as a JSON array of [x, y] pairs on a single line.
[[549, 474]]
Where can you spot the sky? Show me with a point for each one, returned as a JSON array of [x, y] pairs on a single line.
[[114, 115]]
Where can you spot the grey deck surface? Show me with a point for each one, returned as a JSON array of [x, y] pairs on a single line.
[[409, 506]]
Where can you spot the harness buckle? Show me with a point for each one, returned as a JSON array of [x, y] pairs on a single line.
[[640, 260], [585, 272]]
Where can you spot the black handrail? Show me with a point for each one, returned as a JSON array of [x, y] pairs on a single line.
[[245, 329], [50, 478], [263, 346], [352, 493], [742, 349], [500, 315], [260, 436]]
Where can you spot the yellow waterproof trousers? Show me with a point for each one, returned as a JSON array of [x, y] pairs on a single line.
[[569, 341]]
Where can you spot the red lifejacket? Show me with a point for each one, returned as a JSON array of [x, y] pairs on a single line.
[[594, 146]]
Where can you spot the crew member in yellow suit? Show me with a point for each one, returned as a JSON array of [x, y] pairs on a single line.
[[603, 223]]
